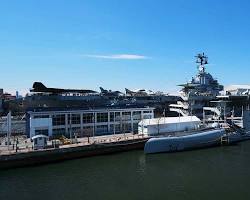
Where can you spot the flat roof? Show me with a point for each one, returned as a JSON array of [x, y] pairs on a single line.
[[169, 120], [41, 111]]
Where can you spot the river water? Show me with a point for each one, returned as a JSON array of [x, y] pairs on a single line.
[[214, 173]]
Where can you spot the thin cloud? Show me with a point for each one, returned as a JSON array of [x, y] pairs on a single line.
[[119, 56]]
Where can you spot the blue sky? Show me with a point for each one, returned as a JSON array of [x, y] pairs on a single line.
[[121, 43]]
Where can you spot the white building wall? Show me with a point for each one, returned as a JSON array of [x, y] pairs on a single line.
[[46, 123], [40, 124]]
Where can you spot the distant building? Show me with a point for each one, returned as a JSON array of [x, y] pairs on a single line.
[[84, 123], [1, 104], [1, 100]]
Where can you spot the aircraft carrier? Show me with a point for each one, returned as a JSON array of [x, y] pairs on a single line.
[[202, 91]]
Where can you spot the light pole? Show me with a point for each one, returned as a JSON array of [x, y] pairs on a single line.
[[93, 121]]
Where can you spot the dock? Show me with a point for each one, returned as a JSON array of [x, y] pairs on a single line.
[[85, 147]]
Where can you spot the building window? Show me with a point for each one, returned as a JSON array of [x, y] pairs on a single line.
[[88, 118], [115, 128], [42, 132], [137, 115], [102, 117], [41, 116], [75, 131], [101, 129], [87, 131], [117, 116], [111, 116], [59, 132], [126, 116], [135, 127], [75, 119], [126, 128], [58, 120], [147, 116]]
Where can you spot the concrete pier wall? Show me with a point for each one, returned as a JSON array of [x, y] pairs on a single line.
[[73, 152]]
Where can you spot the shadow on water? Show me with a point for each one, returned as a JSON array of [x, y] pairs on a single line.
[[221, 173]]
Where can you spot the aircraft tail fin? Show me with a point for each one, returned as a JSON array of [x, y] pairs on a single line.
[[38, 86], [102, 90]]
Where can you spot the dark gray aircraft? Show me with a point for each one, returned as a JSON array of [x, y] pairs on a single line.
[[39, 87], [110, 93]]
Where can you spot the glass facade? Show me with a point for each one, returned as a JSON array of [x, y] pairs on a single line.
[[59, 132], [126, 128], [87, 131], [87, 118], [85, 127], [41, 116], [42, 132], [111, 116], [58, 120], [137, 115], [135, 127], [147, 116], [75, 131], [126, 116], [115, 128], [100, 130], [102, 117], [75, 119]]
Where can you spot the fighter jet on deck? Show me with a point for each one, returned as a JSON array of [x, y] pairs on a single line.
[[140, 92], [110, 93]]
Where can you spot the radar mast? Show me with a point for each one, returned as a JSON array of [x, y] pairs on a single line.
[[202, 60]]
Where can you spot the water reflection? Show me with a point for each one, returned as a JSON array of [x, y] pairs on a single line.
[[221, 172]]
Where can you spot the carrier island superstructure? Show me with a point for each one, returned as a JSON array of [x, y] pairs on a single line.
[[198, 92], [205, 98]]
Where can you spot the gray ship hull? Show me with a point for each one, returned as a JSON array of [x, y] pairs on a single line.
[[200, 139]]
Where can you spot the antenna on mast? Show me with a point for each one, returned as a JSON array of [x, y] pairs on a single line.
[[202, 60]]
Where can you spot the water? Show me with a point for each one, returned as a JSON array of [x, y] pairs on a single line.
[[215, 173]]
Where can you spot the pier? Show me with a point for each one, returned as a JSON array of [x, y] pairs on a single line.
[[25, 155]]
